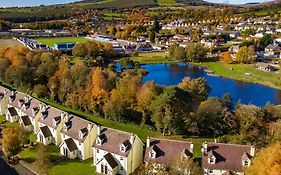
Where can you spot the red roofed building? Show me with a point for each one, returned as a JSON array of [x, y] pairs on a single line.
[[222, 159]]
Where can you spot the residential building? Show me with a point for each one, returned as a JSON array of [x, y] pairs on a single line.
[[222, 158], [50, 125], [117, 152], [77, 136], [3, 100], [161, 152]]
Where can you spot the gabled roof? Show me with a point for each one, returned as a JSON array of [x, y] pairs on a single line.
[[70, 144], [166, 150], [228, 156], [112, 141], [110, 160], [51, 114], [25, 120], [46, 131], [77, 124], [12, 111]]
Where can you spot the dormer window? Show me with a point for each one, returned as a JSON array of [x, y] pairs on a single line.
[[152, 154], [211, 171], [212, 160], [122, 148], [67, 126], [34, 111]]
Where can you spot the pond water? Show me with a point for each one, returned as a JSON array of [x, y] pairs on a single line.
[[172, 74]]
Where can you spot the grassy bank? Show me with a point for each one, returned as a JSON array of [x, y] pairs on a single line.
[[239, 71], [154, 58]]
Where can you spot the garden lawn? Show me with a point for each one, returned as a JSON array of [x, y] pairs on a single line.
[[2, 118], [73, 167], [51, 41], [237, 72], [154, 58]]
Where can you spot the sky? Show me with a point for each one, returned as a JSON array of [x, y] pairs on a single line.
[[22, 3]]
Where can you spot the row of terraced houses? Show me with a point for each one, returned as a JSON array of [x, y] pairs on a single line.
[[113, 152]]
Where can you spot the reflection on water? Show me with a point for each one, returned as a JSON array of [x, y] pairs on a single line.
[[172, 74]]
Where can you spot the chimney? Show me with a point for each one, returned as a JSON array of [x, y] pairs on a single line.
[[204, 147], [132, 138], [252, 151], [148, 142], [98, 130], [26, 99], [191, 147], [89, 127]]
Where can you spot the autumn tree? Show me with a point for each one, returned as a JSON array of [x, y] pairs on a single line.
[[226, 57], [145, 95], [11, 140], [184, 166], [245, 55], [267, 161]]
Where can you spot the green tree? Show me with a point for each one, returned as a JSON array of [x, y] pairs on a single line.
[[195, 53], [169, 109]]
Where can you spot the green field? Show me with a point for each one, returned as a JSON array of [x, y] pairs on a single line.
[[51, 41], [168, 2], [154, 58], [237, 72]]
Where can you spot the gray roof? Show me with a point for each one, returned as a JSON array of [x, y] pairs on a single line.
[[46, 131], [110, 160], [25, 120], [12, 111], [70, 144]]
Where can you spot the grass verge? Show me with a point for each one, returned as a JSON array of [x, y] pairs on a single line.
[[239, 71], [154, 58]]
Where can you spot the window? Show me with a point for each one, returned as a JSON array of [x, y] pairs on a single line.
[[102, 168], [122, 148], [211, 171], [246, 163], [121, 168], [121, 158], [98, 150], [79, 143], [152, 154], [212, 160], [80, 152]]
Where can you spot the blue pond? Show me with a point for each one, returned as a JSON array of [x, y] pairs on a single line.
[[172, 74]]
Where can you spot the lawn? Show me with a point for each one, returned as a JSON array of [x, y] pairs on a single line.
[[51, 41], [154, 58], [237, 72], [167, 2], [2, 118], [73, 167]]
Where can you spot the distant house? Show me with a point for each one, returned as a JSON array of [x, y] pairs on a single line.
[[272, 51], [265, 67], [221, 158], [77, 137], [161, 152], [117, 152]]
